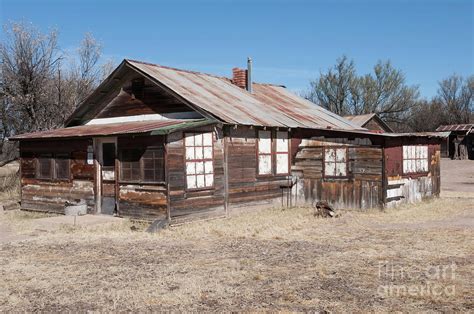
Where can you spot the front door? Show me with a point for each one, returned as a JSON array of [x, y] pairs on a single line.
[[107, 152]]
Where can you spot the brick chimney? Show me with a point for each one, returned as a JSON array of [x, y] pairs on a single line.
[[239, 77]]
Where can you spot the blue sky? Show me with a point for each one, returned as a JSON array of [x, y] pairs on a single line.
[[289, 41]]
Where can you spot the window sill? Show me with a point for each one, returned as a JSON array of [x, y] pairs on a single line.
[[143, 183], [200, 189]]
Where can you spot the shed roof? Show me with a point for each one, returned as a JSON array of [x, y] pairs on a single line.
[[362, 119], [136, 127], [455, 127], [216, 97]]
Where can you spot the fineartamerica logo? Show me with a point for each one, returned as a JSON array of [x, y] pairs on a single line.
[[431, 280]]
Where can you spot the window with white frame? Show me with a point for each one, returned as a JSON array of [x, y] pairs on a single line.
[[199, 160], [264, 152], [273, 153], [335, 162], [415, 158], [281, 153]]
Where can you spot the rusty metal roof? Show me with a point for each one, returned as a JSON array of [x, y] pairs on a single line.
[[455, 127], [268, 105], [360, 119], [137, 127]]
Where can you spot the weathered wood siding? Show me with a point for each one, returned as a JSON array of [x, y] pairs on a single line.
[[361, 188], [148, 99], [188, 204], [50, 195], [245, 185], [140, 200], [403, 188]]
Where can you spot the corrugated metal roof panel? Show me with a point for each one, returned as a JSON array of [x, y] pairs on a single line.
[[268, 105], [455, 127], [156, 127], [361, 119]]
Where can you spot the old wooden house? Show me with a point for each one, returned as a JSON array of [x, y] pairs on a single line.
[[157, 142], [370, 121], [460, 142]]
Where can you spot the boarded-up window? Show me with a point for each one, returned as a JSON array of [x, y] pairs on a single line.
[[282, 161], [415, 159], [199, 160], [335, 162], [45, 169], [264, 152], [62, 166]]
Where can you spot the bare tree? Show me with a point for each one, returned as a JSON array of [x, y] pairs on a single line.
[[28, 60], [332, 90], [384, 91], [39, 87], [456, 94]]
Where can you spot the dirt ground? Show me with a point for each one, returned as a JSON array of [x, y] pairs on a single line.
[[413, 258], [457, 176]]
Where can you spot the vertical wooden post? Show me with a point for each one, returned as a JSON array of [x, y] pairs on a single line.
[[226, 134], [384, 178], [21, 174], [116, 177], [165, 158]]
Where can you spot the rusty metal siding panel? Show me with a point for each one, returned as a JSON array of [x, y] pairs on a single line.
[[393, 161]]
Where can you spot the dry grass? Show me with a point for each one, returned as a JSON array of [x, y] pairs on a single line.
[[9, 182], [267, 260]]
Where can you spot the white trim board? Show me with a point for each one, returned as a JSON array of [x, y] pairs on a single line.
[[146, 117]]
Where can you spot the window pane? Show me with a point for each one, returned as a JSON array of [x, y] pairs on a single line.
[[190, 168], [329, 154], [282, 142], [191, 182], [425, 152], [264, 142], [282, 163], [44, 165], [198, 139], [199, 153], [148, 163], [149, 175], [208, 167], [264, 164], [329, 169], [189, 139], [62, 166], [209, 180], [200, 181], [200, 167], [207, 153], [190, 153], [341, 154], [126, 174], [207, 139], [341, 169]]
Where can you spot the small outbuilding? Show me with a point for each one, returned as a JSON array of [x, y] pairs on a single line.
[[460, 142], [371, 122], [157, 142]]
